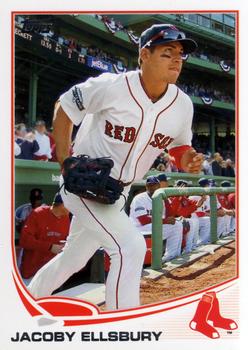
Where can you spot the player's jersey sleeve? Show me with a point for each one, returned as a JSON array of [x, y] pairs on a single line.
[[183, 141], [138, 208], [85, 98]]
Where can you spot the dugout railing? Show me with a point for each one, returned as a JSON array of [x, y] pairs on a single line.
[[157, 209]]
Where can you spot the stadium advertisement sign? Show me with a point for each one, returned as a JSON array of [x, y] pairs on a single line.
[[98, 64]]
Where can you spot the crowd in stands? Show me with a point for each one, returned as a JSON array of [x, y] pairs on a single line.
[[116, 25], [193, 89], [186, 220], [201, 53], [38, 144], [212, 165], [74, 44], [35, 143], [225, 145], [199, 90]]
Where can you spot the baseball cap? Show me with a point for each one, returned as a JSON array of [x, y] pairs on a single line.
[[36, 194], [225, 183], [151, 180], [162, 177], [181, 183], [163, 33], [57, 199], [203, 182]]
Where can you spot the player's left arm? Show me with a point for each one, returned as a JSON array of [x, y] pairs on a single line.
[[186, 157]]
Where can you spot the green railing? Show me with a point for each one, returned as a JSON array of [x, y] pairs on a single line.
[[157, 209], [32, 172]]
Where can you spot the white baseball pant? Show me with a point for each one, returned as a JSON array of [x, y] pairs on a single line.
[[224, 225], [192, 235], [173, 236]]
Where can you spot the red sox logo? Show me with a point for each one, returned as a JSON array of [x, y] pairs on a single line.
[[127, 134]]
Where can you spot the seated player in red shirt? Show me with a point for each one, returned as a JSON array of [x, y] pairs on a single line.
[[43, 236], [185, 208], [226, 205], [231, 198]]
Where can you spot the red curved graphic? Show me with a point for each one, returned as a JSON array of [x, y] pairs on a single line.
[[65, 308]]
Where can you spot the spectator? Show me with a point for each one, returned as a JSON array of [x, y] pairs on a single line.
[[20, 132], [17, 149], [216, 165], [43, 140], [43, 236], [229, 170], [27, 143], [223, 166], [206, 167]]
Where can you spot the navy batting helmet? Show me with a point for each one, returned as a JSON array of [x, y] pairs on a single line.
[[164, 33]]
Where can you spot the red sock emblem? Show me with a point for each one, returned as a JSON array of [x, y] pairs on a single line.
[[217, 319], [199, 322], [208, 310]]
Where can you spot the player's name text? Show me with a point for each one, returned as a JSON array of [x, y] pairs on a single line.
[[85, 336]]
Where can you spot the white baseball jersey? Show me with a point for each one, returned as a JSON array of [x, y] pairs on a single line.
[[223, 223], [120, 121], [142, 205]]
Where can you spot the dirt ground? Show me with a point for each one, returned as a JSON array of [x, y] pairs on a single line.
[[205, 272]]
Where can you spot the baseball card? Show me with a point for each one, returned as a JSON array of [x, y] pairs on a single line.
[[123, 207]]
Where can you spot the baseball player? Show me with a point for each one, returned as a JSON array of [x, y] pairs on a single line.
[[141, 215], [43, 235], [229, 218], [205, 221], [185, 207], [231, 199], [129, 117], [201, 215]]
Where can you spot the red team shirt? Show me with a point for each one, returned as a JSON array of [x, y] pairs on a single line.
[[41, 230], [183, 206], [231, 198], [224, 201]]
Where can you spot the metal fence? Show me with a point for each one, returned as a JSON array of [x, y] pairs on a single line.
[[157, 209]]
